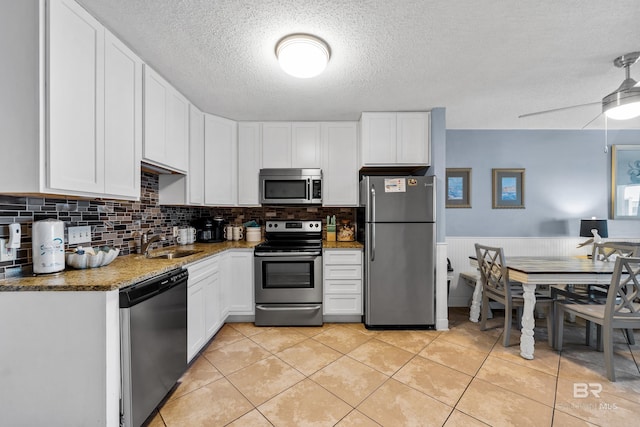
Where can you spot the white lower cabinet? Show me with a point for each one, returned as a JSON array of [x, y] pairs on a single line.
[[342, 282], [238, 277], [204, 303]]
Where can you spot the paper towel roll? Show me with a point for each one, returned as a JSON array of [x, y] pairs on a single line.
[[48, 246]]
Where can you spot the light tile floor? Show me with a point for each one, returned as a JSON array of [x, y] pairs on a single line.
[[344, 375]]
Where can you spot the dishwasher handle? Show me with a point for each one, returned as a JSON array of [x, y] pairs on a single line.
[[142, 291]]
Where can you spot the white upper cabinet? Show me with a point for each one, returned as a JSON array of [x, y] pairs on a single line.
[[412, 138], [220, 153], [395, 139], [340, 164], [276, 145], [305, 143], [179, 189], [195, 178], [291, 145], [166, 124], [249, 162], [122, 119], [75, 93], [76, 99]]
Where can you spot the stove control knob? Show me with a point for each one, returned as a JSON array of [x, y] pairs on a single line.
[[275, 225]]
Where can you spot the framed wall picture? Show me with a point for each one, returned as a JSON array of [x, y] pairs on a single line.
[[625, 182], [458, 188], [508, 188]]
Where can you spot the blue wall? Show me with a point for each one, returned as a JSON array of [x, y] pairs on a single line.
[[567, 177]]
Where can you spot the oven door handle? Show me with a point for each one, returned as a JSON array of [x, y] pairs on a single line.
[[267, 308], [296, 255]]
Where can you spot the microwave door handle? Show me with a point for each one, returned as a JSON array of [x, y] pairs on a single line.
[[309, 189]]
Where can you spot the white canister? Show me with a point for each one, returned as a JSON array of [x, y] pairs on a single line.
[[253, 234], [48, 246]]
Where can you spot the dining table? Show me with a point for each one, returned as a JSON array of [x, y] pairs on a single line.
[[533, 271]]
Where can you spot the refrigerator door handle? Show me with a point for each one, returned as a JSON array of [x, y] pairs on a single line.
[[373, 241], [373, 203]]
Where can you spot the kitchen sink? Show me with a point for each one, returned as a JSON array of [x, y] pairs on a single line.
[[172, 254]]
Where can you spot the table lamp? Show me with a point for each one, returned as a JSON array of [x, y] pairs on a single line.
[[586, 225]]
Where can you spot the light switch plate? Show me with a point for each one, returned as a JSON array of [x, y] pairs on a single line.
[[80, 234]]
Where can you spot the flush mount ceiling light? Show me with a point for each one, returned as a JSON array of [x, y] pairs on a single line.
[[302, 55], [624, 103]]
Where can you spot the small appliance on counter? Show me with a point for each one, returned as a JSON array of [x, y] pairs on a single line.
[[48, 246], [209, 230]]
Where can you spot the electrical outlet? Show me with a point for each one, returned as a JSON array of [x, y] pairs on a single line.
[[6, 254], [79, 234], [175, 231]]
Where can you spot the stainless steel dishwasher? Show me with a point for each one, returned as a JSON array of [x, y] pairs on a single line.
[[153, 342]]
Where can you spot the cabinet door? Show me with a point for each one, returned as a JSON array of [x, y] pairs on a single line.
[[305, 143], [220, 152], [155, 117], [122, 119], [241, 295], [76, 99], [340, 164], [276, 145], [212, 304], [378, 138], [413, 138], [195, 177], [225, 285], [195, 319], [249, 155], [177, 142]]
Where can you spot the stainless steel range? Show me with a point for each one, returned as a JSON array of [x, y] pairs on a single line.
[[288, 274]]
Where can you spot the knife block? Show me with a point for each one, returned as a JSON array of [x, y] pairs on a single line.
[[331, 233]]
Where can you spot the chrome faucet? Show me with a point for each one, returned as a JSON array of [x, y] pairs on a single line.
[[148, 240]]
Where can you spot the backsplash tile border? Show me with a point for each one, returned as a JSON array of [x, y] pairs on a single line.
[[113, 222]]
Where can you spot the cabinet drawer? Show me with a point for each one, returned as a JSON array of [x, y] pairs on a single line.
[[200, 269], [342, 304], [343, 286], [342, 272], [343, 257]]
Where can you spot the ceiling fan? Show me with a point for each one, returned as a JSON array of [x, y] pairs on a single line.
[[621, 104]]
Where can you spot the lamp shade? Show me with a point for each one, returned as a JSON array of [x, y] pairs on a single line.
[[586, 225]]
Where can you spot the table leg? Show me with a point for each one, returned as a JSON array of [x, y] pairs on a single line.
[[528, 321], [476, 301]]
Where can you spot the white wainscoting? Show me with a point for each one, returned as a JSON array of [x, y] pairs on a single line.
[[460, 248]]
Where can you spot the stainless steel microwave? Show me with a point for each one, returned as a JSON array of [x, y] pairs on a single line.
[[290, 186]]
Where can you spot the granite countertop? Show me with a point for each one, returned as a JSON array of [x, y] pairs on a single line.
[[342, 245], [123, 271], [129, 269]]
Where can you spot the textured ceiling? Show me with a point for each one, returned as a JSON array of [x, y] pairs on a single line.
[[486, 62]]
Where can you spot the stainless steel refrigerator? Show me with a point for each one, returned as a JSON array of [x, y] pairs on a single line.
[[397, 221]]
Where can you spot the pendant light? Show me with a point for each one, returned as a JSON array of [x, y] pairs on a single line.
[[624, 103], [302, 55]]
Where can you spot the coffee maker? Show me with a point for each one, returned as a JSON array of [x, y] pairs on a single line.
[[209, 230]]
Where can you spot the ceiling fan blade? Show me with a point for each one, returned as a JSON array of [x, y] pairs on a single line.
[[592, 120], [557, 109]]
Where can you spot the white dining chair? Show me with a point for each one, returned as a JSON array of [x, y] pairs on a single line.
[[621, 310], [496, 286]]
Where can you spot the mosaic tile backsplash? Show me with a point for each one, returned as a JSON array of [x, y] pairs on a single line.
[[115, 222]]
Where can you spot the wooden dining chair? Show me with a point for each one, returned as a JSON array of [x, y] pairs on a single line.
[[497, 287], [621, 310], [608, 252]]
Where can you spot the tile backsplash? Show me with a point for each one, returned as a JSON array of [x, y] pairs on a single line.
[[114, 222]]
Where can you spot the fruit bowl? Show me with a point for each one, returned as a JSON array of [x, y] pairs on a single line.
[[91, 257]]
